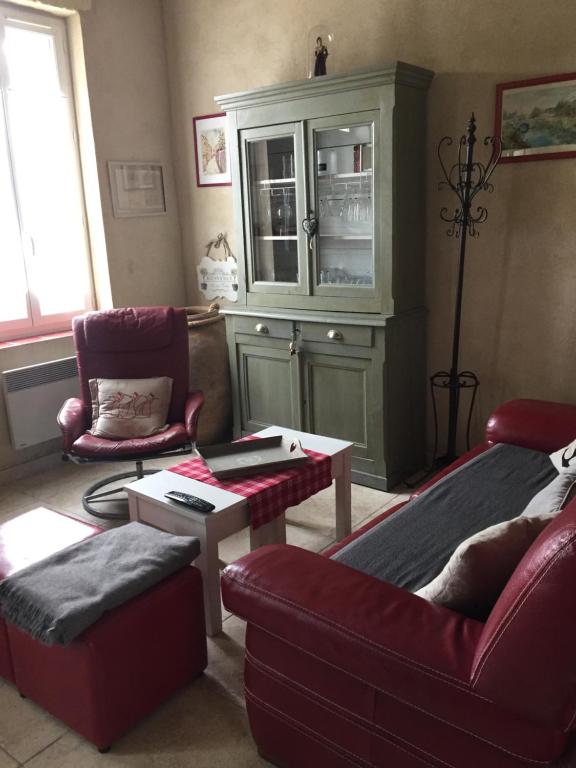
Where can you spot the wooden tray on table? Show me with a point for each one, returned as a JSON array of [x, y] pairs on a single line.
[[252, 457]]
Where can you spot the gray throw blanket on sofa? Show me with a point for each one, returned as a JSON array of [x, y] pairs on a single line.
[[59, 597], [412, 546]]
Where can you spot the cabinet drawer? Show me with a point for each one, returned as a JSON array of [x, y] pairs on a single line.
[[264, 327], [359, 335]]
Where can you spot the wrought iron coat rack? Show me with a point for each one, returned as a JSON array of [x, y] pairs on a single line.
[[465, 178]]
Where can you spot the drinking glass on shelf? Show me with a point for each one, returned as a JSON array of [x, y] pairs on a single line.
[[334, 206], [364, 208], [288, 166], [288, 201], [345, 207], [283, 212]]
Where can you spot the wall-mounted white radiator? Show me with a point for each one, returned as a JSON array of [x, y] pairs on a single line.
[[33, 397]]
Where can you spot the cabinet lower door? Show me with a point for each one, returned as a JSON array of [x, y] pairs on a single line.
[[269, 388], [338, 398]]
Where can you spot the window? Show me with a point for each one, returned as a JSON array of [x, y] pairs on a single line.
[[44, 259]]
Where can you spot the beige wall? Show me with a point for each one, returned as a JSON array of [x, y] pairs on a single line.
[[128, 93], [128, 90], [519, 317]]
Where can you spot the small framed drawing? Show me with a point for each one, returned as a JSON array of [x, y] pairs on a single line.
[[137, 189], [212, 150], [536, 119]]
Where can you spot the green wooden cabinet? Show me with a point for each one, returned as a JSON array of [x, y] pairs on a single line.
[[329, 208]]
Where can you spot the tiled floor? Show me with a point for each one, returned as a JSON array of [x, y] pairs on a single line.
[[204, 726]]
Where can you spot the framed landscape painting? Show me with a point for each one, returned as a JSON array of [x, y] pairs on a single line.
[[212, 150], [536, 119]]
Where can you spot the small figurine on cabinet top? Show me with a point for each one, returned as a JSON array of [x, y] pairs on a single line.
[[321, 54]]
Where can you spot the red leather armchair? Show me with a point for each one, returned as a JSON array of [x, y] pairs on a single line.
[[129, 344], [344, 670]]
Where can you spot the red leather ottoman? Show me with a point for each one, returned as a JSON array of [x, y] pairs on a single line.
[[27, 539], [122, 667]]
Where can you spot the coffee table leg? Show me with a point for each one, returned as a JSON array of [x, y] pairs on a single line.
[[343, 483], [273, 532], [133, 508], [209, 565]]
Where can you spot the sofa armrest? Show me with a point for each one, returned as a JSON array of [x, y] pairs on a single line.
[[194, 403], [73, 421], [368, 627], [536, 424]]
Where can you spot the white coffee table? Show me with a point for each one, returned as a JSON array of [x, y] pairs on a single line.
[[148, 505]]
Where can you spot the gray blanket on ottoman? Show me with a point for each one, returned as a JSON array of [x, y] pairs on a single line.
[[412, 546], [56, 599]]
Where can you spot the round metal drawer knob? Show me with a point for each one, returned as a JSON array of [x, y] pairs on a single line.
[[334, 335], [261, 328]]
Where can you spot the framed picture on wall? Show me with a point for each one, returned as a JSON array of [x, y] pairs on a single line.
[[536, 119], [212, 150], [137, 189]]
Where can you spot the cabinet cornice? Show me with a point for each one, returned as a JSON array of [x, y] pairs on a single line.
[[396, 72]]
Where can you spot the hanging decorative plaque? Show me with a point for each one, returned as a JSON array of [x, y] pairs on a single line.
[[218, 279]]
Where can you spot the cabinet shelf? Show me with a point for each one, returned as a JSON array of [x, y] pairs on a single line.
[[263, 182], [354, 175], [276, 237], [346, 237]]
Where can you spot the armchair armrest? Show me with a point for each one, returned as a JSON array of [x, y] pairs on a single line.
[[194, 403], [536, 424], [368, 627], [73, 421]]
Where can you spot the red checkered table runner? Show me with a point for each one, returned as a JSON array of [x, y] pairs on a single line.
[[269, 494]]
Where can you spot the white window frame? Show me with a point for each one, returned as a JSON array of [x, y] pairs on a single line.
[[36, 323]]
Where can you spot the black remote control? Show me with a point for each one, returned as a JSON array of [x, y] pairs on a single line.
[[191, 501]]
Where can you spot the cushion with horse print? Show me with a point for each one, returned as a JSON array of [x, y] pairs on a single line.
[[129, 408], [565, 458]]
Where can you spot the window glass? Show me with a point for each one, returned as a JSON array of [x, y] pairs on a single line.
[[13, 287], [45, 248]]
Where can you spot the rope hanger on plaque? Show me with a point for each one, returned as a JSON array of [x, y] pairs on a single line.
[[218, 278]]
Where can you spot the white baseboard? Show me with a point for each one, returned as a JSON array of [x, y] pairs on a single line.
[[19, 471]]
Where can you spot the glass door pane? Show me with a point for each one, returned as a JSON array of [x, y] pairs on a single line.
[[274, 199], [343, 179]]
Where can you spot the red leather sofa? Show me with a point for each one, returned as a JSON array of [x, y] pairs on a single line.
[[345, 670]]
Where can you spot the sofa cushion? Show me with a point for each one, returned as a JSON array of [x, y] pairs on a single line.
[[127, 408], [411, 547], [481, 566], [555, 496]]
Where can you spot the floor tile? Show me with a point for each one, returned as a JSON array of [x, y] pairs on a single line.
[[13, 502], [319, 510], [203, 727], [6, 761], [392, 503], [25, 729], [226, 654]]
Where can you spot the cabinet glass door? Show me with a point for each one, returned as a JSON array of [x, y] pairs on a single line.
[[274, 191], [342, 170]]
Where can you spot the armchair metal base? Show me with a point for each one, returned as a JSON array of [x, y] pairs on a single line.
[[93, 495], [90, 496]]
